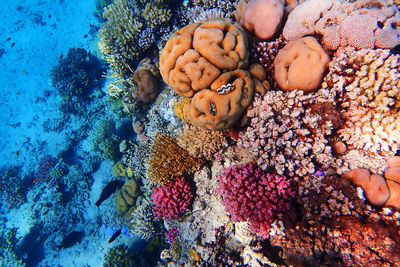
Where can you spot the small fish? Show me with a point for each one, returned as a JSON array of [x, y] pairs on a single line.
[[25, 72], [61, 57], [36, 180], [109, 101], [18, 92], [380, 24], [115, 235], [8, 39], [108, 190], [85, 36], [12, 45], [17, 153]]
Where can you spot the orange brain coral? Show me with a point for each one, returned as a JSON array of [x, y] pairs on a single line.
[[209, 62]]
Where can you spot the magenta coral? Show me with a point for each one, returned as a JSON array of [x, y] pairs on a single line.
[[173, 199], [252, 195]]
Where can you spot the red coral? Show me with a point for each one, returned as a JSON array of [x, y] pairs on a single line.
[[254, 196], [173, 199]]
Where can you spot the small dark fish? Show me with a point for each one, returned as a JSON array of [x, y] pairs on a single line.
[[71, 239], [380, 24], [108, 190], [115, 235], [12, 44], [395, 50], [85, 36], [8, 39]]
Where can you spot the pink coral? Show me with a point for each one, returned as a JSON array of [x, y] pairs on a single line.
[[254, 196], [173, 199]]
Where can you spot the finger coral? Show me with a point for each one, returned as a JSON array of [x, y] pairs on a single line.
[[167, 159], [173, 199], [209, 62], [201, 143], [360, 24], [286, 135], [250, 194]]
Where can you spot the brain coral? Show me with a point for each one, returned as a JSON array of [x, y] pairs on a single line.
[[173, 199], [361, 24], [209, 62], [254, 196]]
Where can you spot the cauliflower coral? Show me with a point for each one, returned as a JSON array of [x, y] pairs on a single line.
[[252, 195], [173, 199]]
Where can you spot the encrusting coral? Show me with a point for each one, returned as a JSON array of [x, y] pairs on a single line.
[[360, 24], [263, 17], [301, 64], [200, 142], [379, 190], [209, 63], [146, 77], [126, 196], [167, 159]]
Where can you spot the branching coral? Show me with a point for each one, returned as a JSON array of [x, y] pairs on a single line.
[[285, 134], [254, 196], [167, 159], [201, 143], [366, 83], [142, 222], [173, 199]]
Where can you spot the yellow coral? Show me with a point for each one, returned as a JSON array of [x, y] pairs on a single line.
[[201, 142], [167, 159], [126, 197], [178, 108], [119, 169]]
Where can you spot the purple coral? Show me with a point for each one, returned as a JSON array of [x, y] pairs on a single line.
[[252, 195], [173, 199]]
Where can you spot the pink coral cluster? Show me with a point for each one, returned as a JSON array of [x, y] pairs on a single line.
[[253, 195], [173, 199]]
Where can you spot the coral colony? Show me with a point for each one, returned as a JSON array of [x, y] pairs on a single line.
[[261, 132]]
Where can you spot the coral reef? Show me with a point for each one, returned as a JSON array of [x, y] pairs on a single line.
[[253, 14], [369, 99], [126, 197], [143, 222], [173, 199], [72, 77], [201, 143], [360, 24], [212, 55], [135, 156], [301, 64], [103, 140], [254, 196], [13, 187], [146, 77], [167, 159], [378, 190], [286, 135]]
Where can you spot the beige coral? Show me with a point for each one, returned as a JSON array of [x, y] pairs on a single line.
[[200, 142]]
